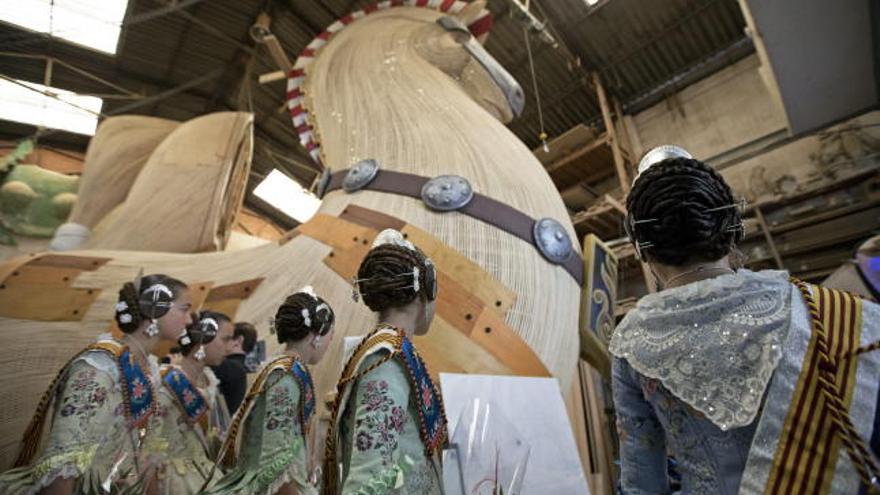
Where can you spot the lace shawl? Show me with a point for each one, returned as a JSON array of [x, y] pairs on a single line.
[[714, 344]]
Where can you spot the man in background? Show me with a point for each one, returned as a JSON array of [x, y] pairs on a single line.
[[232, 372]]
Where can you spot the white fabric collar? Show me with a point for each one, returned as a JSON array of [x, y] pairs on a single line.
[[714, 344]]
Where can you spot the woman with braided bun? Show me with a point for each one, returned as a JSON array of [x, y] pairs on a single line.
[[102, 401], [192, 419], [755, 382], [387, 420], [267, 450]]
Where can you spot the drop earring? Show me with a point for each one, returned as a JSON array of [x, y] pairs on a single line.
[[316, 342], [153, 329], [200, 354]]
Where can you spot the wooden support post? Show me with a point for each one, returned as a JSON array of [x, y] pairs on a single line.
[[616, 204], [613, 141], [650, 283], [625, 137], [768, 237]]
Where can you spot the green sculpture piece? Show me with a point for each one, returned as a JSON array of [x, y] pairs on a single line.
[[34, 201]]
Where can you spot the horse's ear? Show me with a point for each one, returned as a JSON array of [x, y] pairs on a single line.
[[477, 18]]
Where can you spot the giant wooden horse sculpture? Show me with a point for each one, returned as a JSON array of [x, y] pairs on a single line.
[[390, 84]]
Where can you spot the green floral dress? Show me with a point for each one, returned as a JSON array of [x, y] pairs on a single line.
[[273, 450], [90, 437], [381, 434]]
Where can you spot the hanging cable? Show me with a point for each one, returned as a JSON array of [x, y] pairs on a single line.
[[543, 135]]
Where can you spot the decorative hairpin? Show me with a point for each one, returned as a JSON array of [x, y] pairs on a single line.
[[741, 204], [307, 321], [209, 327], [647, 220], [121, 308], [415, 273], [310, 291], [391, 236], [640, 246]]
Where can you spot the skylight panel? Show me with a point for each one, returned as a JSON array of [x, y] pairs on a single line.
[[284, 193], [69, 112], [94, 24]]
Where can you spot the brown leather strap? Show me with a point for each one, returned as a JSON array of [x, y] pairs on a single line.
[[483, 208]]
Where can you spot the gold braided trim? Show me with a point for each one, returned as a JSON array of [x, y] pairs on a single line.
[[33, 434], [818, 421], [227, 452]]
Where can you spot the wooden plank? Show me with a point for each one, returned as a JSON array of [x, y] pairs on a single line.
[[84, 263], [501, 341], [41, 275], [568, 160], [337, 233], [198, 293], [769, 238], [615, 203], [456, 304], [11, 265], [46, 303], [597, 422], [371, 218], [288, 236], [613, 141], [238, 290], [576, 406]]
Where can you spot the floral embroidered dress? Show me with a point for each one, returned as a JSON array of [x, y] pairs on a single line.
[[272, 448], [102, 403], [186, 433], [391, 422]]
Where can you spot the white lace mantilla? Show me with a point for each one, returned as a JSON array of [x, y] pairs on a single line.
[[714, 344]]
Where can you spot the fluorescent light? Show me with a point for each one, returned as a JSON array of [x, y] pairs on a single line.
[[20, 104], [284, 193], [92, 23], [590, 3]]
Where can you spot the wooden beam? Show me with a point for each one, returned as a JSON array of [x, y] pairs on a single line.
[[613, 141], [615, 203], [768, 237], [568, 159], [625, 135]]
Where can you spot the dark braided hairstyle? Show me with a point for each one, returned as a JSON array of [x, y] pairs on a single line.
[[675, 196], [385, 276], [128, 314], [200, 331], [291, 324]]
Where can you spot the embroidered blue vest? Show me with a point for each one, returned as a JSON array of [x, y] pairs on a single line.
[[187, 396], [432, 416], [307, 392], [137, 389]]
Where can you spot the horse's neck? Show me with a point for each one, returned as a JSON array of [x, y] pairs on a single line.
[[375, 96]]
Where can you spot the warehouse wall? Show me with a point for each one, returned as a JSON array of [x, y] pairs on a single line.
[[727, 110], [731, 120]]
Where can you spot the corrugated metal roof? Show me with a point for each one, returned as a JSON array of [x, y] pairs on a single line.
[[643, 50]]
